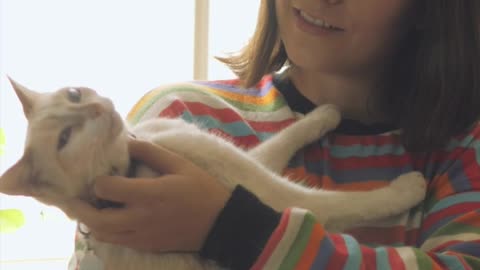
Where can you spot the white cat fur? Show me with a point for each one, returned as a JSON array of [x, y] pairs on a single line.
[[98, 143]]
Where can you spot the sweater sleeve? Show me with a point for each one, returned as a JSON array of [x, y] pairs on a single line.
[[449, 236], [298, 241]]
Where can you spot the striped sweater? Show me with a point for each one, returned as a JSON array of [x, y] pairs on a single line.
[[442, 232]]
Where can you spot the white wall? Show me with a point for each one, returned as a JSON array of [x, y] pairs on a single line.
[[121, 48]]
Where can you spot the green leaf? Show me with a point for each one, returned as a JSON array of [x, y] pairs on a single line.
[[11, 220]]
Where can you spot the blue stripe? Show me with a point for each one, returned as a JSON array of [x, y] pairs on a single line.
[[455, 199], [472, 249], [382, 259], [468, 142], [324, 254], [366, 150], [450, 261], [235, 129], [458, 180], [357, 175], [348, 176], [354, 259]]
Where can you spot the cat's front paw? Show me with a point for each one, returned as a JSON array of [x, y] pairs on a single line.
[[411, 186], [328, 114]]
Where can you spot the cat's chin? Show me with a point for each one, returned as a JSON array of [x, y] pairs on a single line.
[[117, 126]]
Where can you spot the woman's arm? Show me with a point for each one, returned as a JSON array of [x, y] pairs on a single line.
[[449, 233], [186, 210], [299, 242]]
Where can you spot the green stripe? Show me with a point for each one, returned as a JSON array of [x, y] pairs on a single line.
[[424, 262], [453, 228], [300, 243], [273, 106], [472, 261]]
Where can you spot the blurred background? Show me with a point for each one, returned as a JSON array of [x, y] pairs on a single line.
[[121, 48]]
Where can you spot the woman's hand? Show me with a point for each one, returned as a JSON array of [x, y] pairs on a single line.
[[173, 212]]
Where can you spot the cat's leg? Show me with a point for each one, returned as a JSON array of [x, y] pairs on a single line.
[[346, 209], [275, 152], [232, 167]]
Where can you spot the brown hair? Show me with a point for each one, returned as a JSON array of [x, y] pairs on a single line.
[[434, 92]]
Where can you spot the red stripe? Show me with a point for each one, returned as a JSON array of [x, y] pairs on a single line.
[[457, 209], [271, 127], [380, 236], [224, 115], [369, 258], [445, 245], [174, 110], [475, 133], [460, 258], [395, 260], [471, 219], [273, 241], [340, 256], [471, 168]]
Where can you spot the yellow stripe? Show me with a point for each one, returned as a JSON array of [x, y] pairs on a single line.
[[140, 104], [252, 100], [266, 99]]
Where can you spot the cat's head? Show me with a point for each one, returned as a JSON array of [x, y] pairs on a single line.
[[73, 136]]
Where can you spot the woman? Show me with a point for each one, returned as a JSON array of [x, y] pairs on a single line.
[[406, 77]]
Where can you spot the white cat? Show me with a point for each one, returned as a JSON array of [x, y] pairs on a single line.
[[75, 135]]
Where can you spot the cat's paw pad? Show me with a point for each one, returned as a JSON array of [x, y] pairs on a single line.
[[329, 114], [410, 185]]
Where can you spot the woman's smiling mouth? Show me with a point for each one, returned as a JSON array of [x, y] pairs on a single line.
[[312, 21]]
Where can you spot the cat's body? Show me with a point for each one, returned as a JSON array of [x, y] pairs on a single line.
[[97, 131]]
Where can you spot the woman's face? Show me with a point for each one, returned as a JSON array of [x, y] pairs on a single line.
[[346, 36]]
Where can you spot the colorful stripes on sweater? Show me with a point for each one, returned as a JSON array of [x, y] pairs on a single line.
[[443, 232]]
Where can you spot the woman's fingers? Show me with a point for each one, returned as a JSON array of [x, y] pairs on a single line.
[[111, 220], [122, 189], [154, 156]]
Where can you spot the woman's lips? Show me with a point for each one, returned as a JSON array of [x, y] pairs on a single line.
[[316, 21]]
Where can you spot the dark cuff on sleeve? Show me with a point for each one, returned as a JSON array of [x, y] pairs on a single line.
[[241, 231]]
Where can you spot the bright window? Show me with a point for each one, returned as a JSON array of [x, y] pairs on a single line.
[[121, 48]]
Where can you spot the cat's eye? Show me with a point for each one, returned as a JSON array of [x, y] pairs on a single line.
[[64, 137], [74, 95]]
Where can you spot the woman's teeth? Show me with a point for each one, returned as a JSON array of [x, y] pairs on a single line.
[[317, 22]]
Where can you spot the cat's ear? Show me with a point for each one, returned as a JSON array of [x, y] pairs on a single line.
[[27, 97], [17, 179]]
